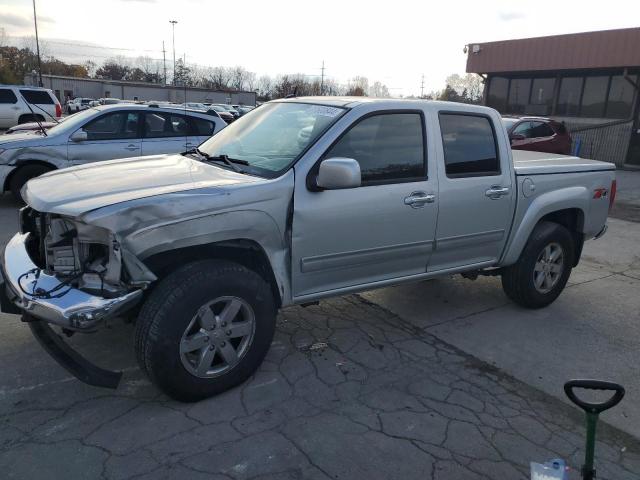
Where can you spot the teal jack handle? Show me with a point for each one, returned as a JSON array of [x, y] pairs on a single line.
[[592, 410]]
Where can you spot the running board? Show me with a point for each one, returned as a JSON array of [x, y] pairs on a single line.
[[71, 360]]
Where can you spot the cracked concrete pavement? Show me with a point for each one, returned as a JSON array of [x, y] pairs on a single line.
[[444, 379], [348, 390]]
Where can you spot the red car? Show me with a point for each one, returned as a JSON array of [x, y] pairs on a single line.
[[538, 134]]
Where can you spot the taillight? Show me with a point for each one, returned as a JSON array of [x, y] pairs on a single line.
[[612, 193], [58, 110]]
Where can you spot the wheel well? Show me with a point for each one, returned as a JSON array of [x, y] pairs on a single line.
[[26, 117], [247, 253], [19, 166], [573, 220]]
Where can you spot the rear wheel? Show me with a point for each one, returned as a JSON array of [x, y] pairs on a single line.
[[542, 271], [205, 329], [23, 175]]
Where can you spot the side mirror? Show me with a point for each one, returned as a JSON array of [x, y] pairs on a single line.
[[78, 136], [517, 136], [336, 173]]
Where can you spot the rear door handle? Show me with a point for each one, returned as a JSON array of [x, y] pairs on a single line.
[[418, 199], [496, 191]]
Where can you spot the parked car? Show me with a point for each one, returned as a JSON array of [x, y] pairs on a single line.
[[101, 133], [111, 101], [208, 246], [43, 105], [78, 104], [228, 108], [242, 109], [538, 134], [222, 112]]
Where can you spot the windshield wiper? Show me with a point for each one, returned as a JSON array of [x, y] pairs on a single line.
[[231, 162]]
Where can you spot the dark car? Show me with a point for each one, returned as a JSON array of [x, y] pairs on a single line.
[[538, 134], [222, 112]]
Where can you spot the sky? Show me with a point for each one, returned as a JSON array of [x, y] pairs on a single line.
[[393, 41]]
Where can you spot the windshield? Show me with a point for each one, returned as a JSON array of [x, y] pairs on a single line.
[[509, 122], [272, 137], [73, 121]]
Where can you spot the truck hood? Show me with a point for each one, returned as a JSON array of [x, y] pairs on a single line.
[[77, 190], [532, 163]]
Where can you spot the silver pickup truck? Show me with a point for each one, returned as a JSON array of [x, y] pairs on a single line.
[[299, 200]]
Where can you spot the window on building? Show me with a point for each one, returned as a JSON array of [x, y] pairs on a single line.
[[469, 146], [541, 96], [113, 126], [7, 96], [497, 96], [37, 97], [594, 96], [519, 95], [620, 101], [388, 147], [569, 96]]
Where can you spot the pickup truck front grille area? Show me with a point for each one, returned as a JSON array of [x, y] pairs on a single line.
[[34, 222]]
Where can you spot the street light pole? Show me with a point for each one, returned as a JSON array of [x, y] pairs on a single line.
[[35, 21], [173, 28]]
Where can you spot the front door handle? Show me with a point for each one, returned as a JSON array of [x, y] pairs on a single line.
[[131, 147], [418, 199], [496, 191]]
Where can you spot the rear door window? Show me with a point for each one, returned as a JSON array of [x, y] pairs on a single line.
[[469, 145], [37, 97], [113, 126], [7, 96], [163, 125]]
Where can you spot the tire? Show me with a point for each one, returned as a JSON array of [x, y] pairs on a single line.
[[538, 277], [23, 175], [68, 110], [165, 327]]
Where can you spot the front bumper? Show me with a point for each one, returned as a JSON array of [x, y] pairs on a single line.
[[66, 307]]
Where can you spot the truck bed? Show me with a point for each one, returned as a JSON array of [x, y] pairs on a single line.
[[536, 163]]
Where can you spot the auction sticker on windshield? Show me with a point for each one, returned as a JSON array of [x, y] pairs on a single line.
[[325, 111]]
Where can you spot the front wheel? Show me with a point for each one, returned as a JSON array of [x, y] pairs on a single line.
[[543, 269], [205, 329], [21, 176]]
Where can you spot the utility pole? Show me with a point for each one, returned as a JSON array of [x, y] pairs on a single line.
[[164, 63], [35, 21], [422, 87], [322, 80], [173, 28]]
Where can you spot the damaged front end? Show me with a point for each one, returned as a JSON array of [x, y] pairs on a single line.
[[63, 272], [67, 273]]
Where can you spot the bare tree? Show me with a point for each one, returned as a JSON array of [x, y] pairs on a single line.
[[379, 90], [358, 86]]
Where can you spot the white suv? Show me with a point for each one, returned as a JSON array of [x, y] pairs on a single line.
[[43, 105], [78, 104]]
